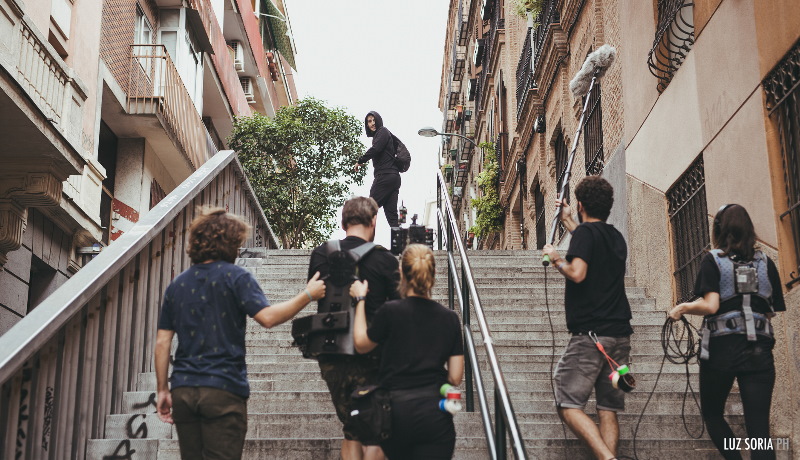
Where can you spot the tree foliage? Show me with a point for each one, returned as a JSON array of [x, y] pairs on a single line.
[[300, 165], [489, 214]]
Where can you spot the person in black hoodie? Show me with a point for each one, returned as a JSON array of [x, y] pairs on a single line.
[[386, 185], [597, 311]]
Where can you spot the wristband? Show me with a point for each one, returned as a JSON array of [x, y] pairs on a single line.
[[360, 298], [310, 299], [559, 263]]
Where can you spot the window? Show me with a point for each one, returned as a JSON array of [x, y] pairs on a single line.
[[674, 39], [541, 227], [143, 31], [688, 216], [143, 35], [593, 133], [561, 156], [783, 105]]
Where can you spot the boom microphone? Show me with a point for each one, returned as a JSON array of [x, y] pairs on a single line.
[[595, 64]]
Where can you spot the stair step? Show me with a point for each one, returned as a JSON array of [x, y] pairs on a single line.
[[290, 412]]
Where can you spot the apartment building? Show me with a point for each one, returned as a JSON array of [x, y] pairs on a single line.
[[700, 109], [107, 106]]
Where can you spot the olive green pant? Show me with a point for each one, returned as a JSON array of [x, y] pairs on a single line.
[[211, 423]]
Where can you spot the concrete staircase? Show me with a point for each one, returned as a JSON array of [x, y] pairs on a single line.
[[291, 416]]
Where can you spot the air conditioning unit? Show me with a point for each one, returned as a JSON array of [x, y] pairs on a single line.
[[247, 86], [237, 55]]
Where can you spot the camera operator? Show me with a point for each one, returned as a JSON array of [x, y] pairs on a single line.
[[419, 337], [597, 309], [343, 373]]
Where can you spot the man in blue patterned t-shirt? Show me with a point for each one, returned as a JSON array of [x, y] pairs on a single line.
[[207, 306]]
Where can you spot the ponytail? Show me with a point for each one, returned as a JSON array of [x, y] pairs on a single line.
[[417, 270]]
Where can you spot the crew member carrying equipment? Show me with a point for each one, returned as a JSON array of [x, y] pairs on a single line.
[[745, 280]]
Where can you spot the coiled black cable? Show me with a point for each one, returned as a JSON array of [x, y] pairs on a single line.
[[680, 343], [553, 359]]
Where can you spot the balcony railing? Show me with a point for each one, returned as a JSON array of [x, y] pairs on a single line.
[[525, 79], [549, 15], [47, 80], [156, 88], [495, 23], [674, 39], [42, 76], [222, 58]]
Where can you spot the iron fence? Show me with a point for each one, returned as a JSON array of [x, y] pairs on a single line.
[[783, 104], [688, 216], [525, 80]]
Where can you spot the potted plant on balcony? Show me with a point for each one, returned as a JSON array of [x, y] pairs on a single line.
[[448, 172], [529, 9], [488, 213]]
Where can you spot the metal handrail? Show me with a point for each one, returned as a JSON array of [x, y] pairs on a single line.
[[473, 354], [507, 423], [26, 337]]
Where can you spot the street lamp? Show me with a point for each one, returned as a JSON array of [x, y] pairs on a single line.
[[429, 131]]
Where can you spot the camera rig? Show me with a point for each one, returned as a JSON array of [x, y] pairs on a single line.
[[414, 234]]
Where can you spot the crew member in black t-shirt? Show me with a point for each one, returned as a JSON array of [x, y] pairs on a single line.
[[422, 350], [731, 355], [343, 373], [597, 310]]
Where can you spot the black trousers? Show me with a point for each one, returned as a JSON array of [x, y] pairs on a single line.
[[755, 388], [420, 431], [385, 189]]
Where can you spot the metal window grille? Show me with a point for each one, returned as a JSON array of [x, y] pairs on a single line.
[[541, 228], [561, 154], [783, 104], [688, 216], [674, 39], [593, 134]]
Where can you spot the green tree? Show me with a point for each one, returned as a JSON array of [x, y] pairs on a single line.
[[300, 165], [488, 213]]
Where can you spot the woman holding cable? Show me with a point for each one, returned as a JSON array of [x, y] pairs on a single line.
[[739, 291]]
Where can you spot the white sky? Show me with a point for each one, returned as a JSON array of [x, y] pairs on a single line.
[[378, 55]]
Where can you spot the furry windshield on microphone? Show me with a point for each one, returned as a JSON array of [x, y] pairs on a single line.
[[600, 60]]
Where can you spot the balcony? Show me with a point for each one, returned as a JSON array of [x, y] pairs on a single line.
[[496, 25], [41, 115], [674, 39], [220, 56], [156, 88], [40, 101]]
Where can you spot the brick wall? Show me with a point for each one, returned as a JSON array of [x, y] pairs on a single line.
[[119, 17]]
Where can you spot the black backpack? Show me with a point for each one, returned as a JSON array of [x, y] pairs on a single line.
[[330, 331], [402, 157]]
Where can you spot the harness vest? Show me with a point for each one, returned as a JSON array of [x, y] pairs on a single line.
[[745, 280]]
